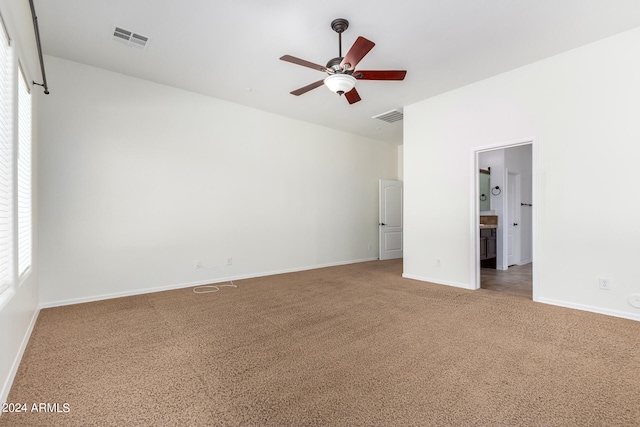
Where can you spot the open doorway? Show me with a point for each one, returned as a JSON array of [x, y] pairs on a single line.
[[507, 220]]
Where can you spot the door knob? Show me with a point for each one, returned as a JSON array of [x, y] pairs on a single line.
[[382, 223], [515, 224]]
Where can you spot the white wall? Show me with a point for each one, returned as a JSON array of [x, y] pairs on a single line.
[[400, 162], [582, 109], [139, 180], [19, 306]]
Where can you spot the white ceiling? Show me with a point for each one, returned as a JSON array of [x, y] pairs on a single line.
[[231, 49]]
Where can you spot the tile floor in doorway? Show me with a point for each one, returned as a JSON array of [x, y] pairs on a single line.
[[516, 280]]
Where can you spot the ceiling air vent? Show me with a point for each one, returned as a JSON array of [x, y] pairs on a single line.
[[390, 116], [130, 38]]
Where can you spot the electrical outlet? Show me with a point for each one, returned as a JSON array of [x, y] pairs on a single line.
[[197, 264], [229, 261], [605, 283], [438, 263], [634, 300], [370, 247]]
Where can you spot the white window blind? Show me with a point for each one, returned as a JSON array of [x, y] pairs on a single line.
[[6, 119], [24, 175]]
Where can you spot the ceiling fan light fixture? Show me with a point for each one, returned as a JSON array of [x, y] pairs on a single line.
[[340, 83]]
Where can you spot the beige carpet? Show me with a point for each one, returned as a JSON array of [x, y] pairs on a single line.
[[353, 345]]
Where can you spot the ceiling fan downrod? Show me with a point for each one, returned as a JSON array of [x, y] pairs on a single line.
[[338, 25]]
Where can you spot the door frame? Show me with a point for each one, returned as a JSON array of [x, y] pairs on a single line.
[[474, 205]]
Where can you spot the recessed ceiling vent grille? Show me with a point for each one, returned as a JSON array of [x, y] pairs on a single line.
[[390, 116], [130, 38]]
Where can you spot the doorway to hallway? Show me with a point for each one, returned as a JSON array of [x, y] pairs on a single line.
[[512, 184]]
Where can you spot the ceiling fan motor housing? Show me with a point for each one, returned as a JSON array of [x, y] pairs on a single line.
[[334, 64]]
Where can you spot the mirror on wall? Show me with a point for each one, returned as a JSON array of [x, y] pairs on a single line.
[[485, 186]]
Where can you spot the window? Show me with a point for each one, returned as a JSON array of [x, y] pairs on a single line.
[[24, 176], [6, 124], [15, 167]]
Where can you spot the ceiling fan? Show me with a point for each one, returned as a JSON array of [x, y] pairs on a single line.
[[342, 75]]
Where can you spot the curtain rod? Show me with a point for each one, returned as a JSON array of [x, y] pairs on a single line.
[[37, 31]]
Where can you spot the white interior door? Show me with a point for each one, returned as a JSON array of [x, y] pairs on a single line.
[[513, 219], [390, 223]]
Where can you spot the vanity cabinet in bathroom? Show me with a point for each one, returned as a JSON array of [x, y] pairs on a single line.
[[488, 249]]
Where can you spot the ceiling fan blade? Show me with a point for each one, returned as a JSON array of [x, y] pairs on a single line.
[[302, 62], [307, 88], [352, 96], [359, 49], [380, 74]]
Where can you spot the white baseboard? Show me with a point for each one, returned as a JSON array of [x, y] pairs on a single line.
[[6, 387], [213, 281], [559, 303], [592, 309], [438, 281]]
